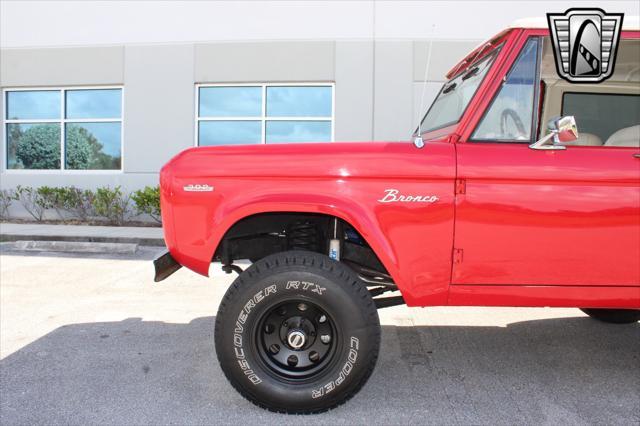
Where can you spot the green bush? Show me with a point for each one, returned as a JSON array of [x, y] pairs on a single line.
[[49, 198], [6, 198], [112, 204], [78, 202], [34, 201], [147, 201]]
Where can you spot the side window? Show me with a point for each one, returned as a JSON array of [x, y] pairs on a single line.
[[510, 116], [609, 119]]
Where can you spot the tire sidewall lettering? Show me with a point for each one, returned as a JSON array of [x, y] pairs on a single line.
[[347, 368], [240, 328], [305, 286]]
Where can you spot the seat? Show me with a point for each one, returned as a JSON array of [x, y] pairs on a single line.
[[585, 139], [628, 136]]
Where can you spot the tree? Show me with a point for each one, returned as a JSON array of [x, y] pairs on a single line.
[[84, 151], [39, 147], [81, 148]]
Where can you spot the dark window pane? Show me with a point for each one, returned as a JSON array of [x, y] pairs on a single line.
[[298, 101], [602, 114], [92, 146], [33, 146], [230, 102], [229, 132], [511, 112], [33, 105], [100, 103], [298, 131]]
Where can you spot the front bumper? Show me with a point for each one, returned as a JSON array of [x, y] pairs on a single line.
[[165, 265]]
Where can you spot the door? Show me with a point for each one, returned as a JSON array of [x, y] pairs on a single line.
[[558, 217]]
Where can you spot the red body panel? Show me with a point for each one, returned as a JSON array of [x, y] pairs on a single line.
[[413, 240], [569, 217], [535, 228]]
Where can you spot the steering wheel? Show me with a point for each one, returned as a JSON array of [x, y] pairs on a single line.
[[510, 113]]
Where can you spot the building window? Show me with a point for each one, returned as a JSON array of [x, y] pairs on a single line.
[[264, 113], [64, 129]]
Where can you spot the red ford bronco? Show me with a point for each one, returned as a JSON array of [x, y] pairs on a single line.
[[488, 206]]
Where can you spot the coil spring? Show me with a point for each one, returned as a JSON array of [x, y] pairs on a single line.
[[303, 236]]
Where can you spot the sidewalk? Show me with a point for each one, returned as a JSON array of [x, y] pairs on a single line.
[[145, 236]]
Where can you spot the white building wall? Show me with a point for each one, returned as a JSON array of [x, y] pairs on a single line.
[[73, 23]]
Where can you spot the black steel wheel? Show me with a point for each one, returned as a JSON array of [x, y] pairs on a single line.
[[298, 333], [295, 339]]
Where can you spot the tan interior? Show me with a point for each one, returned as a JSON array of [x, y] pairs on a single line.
[[629, 136]]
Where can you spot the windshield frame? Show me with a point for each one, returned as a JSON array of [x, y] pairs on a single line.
[[491, 55]]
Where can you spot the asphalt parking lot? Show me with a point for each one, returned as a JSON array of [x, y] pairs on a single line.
[[91, 339]]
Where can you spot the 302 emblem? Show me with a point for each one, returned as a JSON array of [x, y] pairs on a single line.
[[198, 187]]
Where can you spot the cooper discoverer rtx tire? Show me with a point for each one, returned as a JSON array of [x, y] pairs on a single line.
[[297, 332], [614, 316]]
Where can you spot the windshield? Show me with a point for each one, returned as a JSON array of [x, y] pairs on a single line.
[[455, 95]]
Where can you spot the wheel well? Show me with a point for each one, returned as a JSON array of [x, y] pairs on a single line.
[[261, 235]]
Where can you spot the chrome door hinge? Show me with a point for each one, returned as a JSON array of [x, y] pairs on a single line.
[[461, 186], [457, 255]]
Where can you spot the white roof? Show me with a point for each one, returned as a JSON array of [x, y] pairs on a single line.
[[629, 23]]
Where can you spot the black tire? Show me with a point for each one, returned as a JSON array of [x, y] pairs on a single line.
[[614, 316], [270, 296]]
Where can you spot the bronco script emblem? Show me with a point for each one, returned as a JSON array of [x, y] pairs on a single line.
[[394, 196], [585, 43]]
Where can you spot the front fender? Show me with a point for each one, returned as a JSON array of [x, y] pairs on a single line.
[[396, 232]]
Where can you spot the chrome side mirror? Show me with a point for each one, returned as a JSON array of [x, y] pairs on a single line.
[[418, 142], [561, 129]]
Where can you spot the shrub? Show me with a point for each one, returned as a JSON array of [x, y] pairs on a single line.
[[148, 201], [78, 202], [34, 201], [75, 201], [112, 204], [48, 197], [6, 198]]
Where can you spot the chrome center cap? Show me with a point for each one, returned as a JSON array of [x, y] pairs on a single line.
[[296, 339]]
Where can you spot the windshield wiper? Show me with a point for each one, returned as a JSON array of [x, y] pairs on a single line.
[[473, 71], [449, 88]]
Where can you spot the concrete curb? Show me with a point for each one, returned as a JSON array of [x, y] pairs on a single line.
[[156, 242], [75, 247]]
